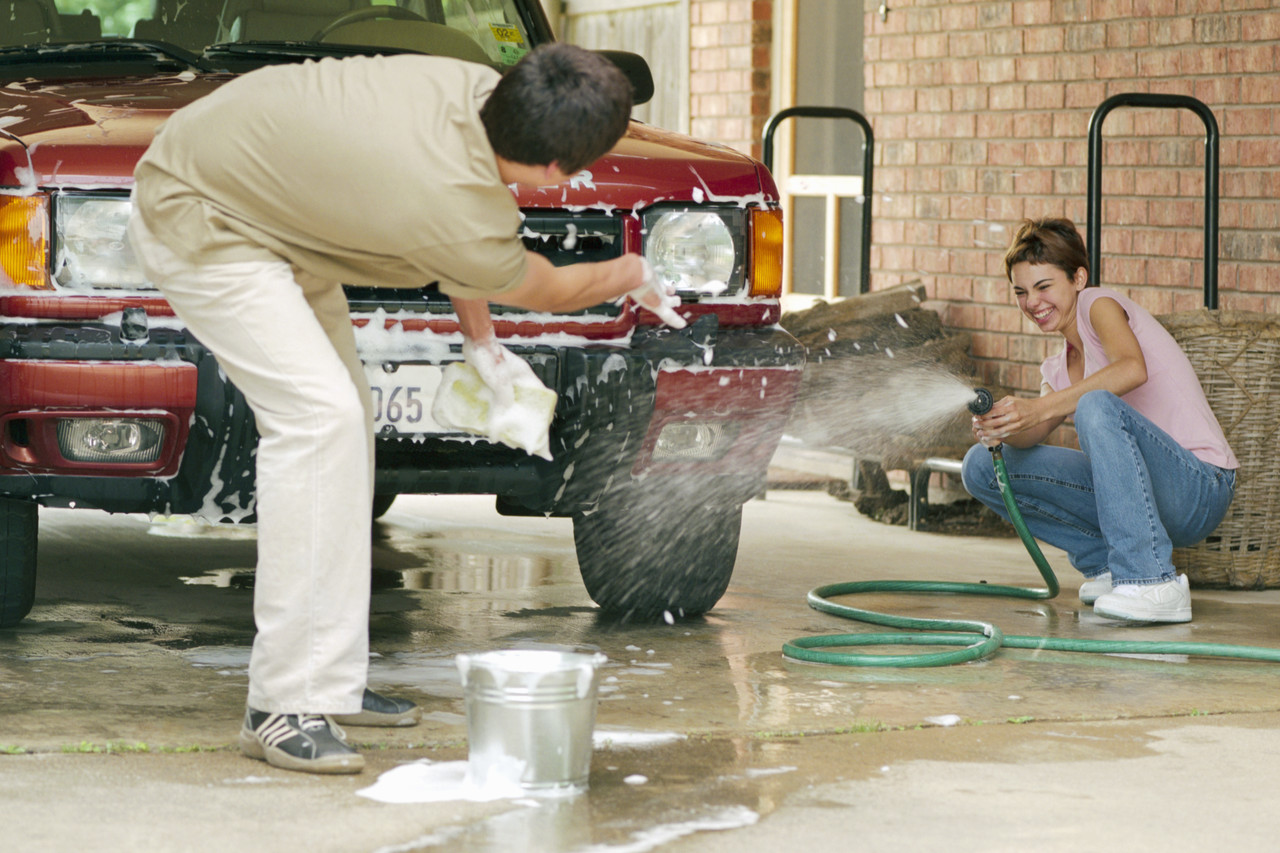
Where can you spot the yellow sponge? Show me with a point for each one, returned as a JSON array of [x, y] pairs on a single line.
[[464, 402]]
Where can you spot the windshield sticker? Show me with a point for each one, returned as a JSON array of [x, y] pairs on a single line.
[[511, 44]]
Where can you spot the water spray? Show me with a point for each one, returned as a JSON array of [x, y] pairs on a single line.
[[977, 639]]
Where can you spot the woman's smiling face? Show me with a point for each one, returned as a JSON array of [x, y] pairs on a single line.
[[1047, 295]]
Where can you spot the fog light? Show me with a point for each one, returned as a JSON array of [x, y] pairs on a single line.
[[110, 440], [694, 441]]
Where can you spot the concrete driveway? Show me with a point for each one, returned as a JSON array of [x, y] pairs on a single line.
[[120, 699]]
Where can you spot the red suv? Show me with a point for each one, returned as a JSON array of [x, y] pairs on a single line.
[[109, 403]]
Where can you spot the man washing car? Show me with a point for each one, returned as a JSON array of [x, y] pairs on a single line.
[[241, 220]]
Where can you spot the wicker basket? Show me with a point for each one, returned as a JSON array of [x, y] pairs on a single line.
[[1237, 357]]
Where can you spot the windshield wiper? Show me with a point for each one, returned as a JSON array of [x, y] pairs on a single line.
[[114, 50], [296, 49]]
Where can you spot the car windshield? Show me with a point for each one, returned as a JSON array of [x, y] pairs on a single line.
[[495, 32]]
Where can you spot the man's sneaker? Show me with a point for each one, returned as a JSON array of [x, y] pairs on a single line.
[[307, 742], [1158, 602], [1096, 586], [379, 710]]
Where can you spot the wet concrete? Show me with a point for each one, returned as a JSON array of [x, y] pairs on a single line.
[[121, 695]]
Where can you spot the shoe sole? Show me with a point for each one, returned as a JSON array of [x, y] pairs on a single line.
[[373, 718], [1181, 615], [276, 757]]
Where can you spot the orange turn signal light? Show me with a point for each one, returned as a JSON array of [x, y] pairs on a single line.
[[766, 252], [24, 241]]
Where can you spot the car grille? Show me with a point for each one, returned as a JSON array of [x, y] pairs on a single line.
[[566, 238]]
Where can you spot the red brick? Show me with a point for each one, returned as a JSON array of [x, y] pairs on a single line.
[[1114, 66], [1043, 39], [1260, 26], [1007, 97], [1033, 12], [1172, 30], [1045, 96], [994, 125], [1002, 42], [898, 47], [1035, 67], [1128, 33], [933, 100], [987, 345], [1161, 182], [967, 208], [1033, 181], [959, 16], [961, 72], [1003, 318], [1250, 58], [997, 70], [1078, 95], [924, 73], [1155, 8]]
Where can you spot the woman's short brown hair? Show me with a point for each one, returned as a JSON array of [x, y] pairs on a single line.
[[1047, 241]]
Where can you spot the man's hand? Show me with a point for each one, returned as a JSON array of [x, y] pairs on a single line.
[[658, 298], [501, 370]]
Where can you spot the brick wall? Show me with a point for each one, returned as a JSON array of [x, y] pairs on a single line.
[[981, 113], [729, 70]]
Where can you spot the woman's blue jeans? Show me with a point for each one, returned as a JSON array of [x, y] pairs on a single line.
[[1121, 503]]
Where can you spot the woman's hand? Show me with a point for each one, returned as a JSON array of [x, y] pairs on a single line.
[[1008, 417]]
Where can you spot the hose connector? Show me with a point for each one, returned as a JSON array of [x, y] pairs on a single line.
[[982, 401]]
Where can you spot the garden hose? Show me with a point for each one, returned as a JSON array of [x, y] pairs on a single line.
[[975, 639]]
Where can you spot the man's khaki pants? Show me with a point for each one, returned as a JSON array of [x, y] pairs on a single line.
[[284, 338]]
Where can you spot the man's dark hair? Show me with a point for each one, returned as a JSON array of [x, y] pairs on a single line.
[[559, 104], [1047, 241]]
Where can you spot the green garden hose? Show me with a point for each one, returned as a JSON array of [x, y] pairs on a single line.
[[976, 639]]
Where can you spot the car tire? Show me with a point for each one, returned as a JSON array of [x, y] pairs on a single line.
[[382, 503], [658, 559], [19, 522]]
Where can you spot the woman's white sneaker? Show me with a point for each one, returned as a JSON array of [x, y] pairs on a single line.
[[1157, 602], [1094, 587]]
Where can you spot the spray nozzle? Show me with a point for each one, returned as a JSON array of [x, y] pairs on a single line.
[[982, 401]]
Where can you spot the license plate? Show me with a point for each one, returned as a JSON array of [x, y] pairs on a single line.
[[402, 398]]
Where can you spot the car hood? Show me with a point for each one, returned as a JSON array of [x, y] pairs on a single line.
[[90, 134]]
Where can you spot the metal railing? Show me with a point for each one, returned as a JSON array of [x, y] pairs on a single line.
[[833, 190], [1094, 202]]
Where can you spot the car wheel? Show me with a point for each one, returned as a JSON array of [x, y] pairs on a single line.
[[382, 503], [19, 520], [664, 558]]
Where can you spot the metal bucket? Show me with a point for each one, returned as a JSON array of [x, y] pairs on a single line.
[[531, 714]]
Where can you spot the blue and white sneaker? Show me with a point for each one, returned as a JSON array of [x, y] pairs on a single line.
[[379, 710], [312, 743]]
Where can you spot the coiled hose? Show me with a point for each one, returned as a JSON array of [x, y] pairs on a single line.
[[976, 639]]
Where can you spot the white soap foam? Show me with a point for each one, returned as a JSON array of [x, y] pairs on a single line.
[[604, 738], [439, 782]]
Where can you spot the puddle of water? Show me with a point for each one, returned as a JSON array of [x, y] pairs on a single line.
[[434, 569]]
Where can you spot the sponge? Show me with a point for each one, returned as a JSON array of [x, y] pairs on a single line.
[[521, 419]]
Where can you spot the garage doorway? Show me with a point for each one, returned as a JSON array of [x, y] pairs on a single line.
[[818, 62], [658, 30]]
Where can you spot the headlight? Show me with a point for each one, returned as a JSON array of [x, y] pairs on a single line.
[[93, 248], [698, 251]]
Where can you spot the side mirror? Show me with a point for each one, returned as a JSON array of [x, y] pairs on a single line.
[[637, 70]]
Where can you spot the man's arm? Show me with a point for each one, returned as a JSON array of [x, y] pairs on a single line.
[[547, 287]]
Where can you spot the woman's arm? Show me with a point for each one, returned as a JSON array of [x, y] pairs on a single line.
[[1022, 422]]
